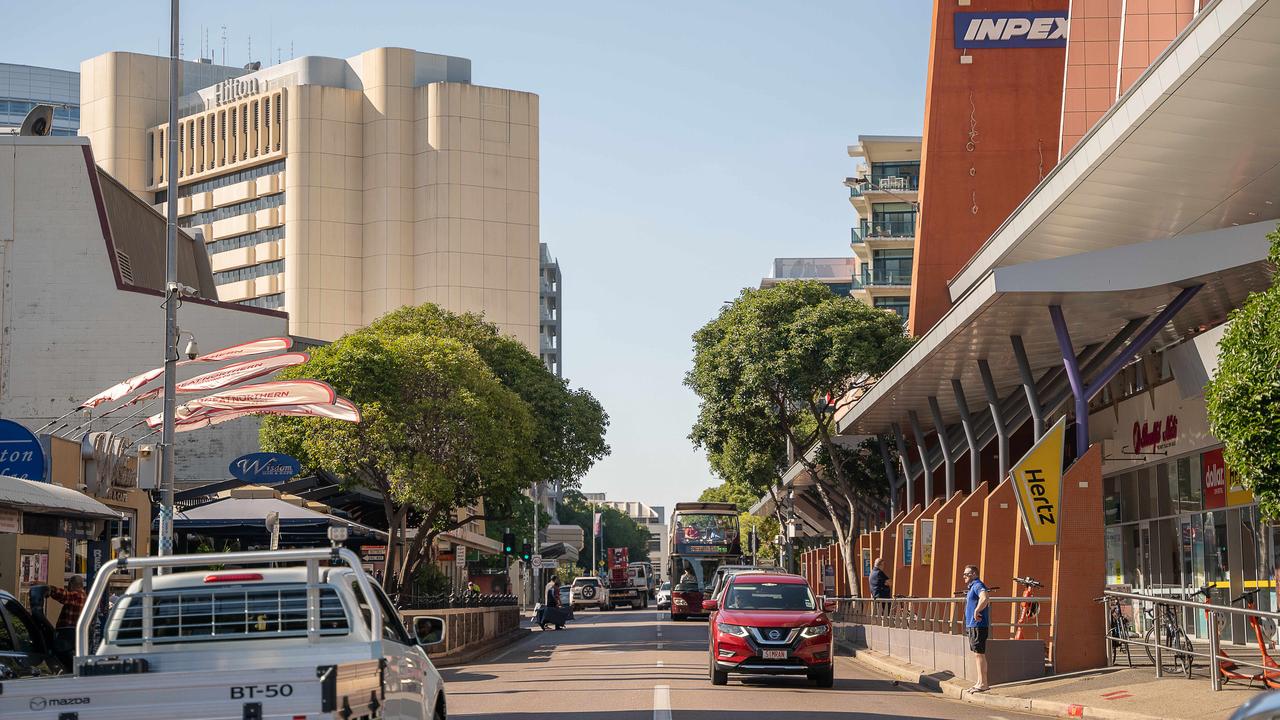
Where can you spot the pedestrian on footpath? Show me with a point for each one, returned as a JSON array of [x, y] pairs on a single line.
[[977, 620], [880, 585], [551, 612]]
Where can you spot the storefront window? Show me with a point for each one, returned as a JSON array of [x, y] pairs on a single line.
[[1115, 556], [1215, 547], [1111, 501]]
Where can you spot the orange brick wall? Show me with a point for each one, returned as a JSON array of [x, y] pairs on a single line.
[[902, 573], [1012, 99], [999, 525], [1106, 35], [968, 533], [943, 573], [1081, 566]]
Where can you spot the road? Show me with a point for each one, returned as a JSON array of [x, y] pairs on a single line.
[[638, 665]]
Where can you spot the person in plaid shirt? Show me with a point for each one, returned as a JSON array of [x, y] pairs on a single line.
[[72, 599]]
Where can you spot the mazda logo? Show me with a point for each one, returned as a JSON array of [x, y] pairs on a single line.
[[774, 634], [38, 703]]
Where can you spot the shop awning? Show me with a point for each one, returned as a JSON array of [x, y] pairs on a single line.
[[50, 499], [247, 516]]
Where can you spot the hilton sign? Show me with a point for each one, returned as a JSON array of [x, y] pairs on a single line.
[[234, 89]]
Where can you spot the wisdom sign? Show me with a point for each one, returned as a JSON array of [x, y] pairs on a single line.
[[1037, 480], [1011, 29]]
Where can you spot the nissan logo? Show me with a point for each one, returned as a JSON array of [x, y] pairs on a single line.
[[774, 634]]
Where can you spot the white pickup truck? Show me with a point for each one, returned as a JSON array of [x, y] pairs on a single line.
[[313, 639]]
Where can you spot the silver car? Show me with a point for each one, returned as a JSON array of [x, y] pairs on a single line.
[[663, 598]]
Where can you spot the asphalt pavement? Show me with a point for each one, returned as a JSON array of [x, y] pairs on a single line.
[[638, 665]]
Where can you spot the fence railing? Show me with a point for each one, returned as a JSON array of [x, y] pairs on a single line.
[[943, 615], [1169, 647]]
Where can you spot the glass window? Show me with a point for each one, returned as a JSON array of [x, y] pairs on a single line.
[[1111, 501], [769, 596], [1129, 506], [694, 574], [1115, 555], [25, 639], [274, 267], [6, 639]]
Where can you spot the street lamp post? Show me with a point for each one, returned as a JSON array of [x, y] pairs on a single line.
[[171, 294]]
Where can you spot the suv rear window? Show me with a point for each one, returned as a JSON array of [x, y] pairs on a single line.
[[198, 614], [581, 582]]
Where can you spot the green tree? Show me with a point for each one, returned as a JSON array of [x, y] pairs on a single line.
[[620, 530], [569, 425], [743, 497], [514, 513], [766, 530], [1243, 396], [435, 438], [786, 361]]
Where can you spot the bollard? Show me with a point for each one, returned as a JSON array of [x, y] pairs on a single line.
[[1213, 650], [1158, 634]]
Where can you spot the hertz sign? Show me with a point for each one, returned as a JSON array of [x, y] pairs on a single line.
[[1011, 29]]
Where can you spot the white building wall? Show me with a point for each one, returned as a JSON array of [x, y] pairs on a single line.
[[68, 331]]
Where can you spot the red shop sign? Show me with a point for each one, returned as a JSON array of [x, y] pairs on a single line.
[[1213, 479]]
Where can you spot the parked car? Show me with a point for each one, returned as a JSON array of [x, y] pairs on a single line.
[[287, 640], [664, 596], [770, 624], [27, 649], [588, 591]]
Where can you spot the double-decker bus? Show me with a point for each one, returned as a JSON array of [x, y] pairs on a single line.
[[704, 536]]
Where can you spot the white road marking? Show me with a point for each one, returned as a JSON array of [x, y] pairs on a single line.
[[662, 702], [659, 663], [660, 646]]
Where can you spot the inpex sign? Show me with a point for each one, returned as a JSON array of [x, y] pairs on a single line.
[[1011, 29]]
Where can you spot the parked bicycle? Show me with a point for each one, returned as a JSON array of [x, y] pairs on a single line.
[[1027, 610], [1119, 630], [1178, 651]]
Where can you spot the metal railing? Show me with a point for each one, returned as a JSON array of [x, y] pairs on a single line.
[[855, 236], [881, 278], [1164, 636], [941, 615], [888, 183]]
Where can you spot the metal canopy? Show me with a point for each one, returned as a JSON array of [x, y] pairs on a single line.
[[1099, 293], [1191, 147], [49, 499]]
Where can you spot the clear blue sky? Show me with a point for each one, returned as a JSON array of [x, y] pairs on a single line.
[[684, 145]]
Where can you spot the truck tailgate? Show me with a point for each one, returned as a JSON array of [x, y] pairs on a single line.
[[290, 693]]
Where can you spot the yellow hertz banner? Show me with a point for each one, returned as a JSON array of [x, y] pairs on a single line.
[[1037, 479]]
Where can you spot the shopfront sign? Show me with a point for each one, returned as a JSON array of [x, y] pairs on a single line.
[[1011, 29], [1220, 486], [10, 520], [1149, 437], [21, 455], [265, 467], [1037, 480], [233, 89]]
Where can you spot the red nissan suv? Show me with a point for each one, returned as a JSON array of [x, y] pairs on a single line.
[[770, 624]]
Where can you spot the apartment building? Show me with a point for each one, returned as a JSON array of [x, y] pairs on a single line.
[[549, 308], [337, 189], [884, 191]]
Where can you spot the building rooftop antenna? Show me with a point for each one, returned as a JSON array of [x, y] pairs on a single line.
[[224, 44]]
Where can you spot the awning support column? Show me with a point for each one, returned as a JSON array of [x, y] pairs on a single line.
[[1084, 389], [890, 474], [971, 437], [906, 466], [948, 460], [1029, 385], [923, 450], [997, 415]]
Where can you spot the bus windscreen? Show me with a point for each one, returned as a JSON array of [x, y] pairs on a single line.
[[707, 534]]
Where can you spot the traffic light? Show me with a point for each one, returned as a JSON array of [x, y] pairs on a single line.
[[508, 543], [526, 552]]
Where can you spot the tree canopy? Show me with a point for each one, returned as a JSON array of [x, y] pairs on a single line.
[[777, 366], [1243, 396], [456, 419]]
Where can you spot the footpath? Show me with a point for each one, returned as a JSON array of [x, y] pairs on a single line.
[[1118, 693]]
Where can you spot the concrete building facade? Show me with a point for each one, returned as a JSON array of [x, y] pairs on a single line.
[[339, 189], [81, 273], [884, 192], [22, 87]]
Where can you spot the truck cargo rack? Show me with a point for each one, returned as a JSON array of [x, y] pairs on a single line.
[[317, 624]]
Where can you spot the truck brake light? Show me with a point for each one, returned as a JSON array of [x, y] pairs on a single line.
[[232, 577]]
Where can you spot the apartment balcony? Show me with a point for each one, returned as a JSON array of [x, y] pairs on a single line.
[[868, 279], [862, 186], [888, 229]]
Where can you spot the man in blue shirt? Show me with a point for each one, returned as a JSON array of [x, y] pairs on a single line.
[[977, 620]]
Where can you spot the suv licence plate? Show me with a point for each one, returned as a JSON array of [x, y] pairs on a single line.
[[774, 654]]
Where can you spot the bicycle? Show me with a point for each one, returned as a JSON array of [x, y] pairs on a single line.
[[1027, 611], [1180, 657], [1120, 630]]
